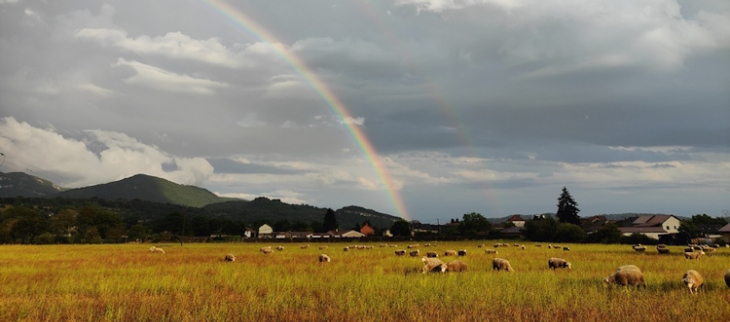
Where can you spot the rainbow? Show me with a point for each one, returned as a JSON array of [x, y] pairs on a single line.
[[333, 102]]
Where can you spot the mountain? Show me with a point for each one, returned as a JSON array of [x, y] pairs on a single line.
[[273, 210], [19, 184], [149, 188]]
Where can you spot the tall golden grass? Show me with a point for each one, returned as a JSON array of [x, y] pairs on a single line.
[[193, 283]]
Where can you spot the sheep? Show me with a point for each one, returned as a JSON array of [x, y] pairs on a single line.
[[415, 253], [523, 247], [557, 246], [501, 264], [517, 245], [344, 249], [693, 280], [709, 249], [368, 247], [383, 245], [491, 251], [480, 245], [505, 245], [566, 248], [323, 258], [264, 248], [393, 246], [450, 253], [558, 263], [689, 250], [400, 252], [538, 245], [433, 265], [626, 275], [550, 246], [497, 245], [432, 255], [360, 246], [229, 258], [694, 255], [305, 246], [462, 252], [323, 247], [280, 248], [639, 248], [663, 250], [456, 266], [426, 245], [266, 251], [411, 246], [727, 278], [155, 249]]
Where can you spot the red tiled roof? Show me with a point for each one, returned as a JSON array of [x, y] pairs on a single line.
[[724, 229], [515, 218], [648, 221]]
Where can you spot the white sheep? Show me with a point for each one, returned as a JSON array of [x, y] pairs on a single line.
[[693, 280], [433, 265], [501, 264], [155, 249], [558, 263], [323, 258], [229, 258], [626, 275]]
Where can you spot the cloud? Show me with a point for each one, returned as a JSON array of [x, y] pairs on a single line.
[[100, 157], [157, 78], [174, 45], [442, 5]]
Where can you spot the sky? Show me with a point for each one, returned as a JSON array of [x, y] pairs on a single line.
[[424, 109]]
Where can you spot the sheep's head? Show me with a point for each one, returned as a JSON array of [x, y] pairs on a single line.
[[568, 265]]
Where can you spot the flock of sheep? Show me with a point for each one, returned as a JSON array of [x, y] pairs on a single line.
[[627, 275]]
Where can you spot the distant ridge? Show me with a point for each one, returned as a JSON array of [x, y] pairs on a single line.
[[148, 188], [20, 184]]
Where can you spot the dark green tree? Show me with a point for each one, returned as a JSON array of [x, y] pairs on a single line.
[[299, 226], [330, 220], [569, 233], [607, 234], [541, 229], [401, 228], [474, 223], [568, 208], [282, 226]]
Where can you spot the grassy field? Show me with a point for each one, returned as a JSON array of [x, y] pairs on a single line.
[[192, 283]]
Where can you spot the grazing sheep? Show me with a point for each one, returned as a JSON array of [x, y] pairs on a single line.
[[155, 249], [360, 246], [626, 275], [550, 246], [345, 249], [279, 248], [323, 258], [523, 247], [415, 253], [538, 245], [566, 248], [557, 246], [709, 249], [392, 246], [497, 245], [727, 278], [266, 251], [694, 255], [229, 258], [433, 265], [639, 248], [696, 247], [480, 245], [264, 248], [456, 266], [383, 245], [450, 253], [400, 252], [411, 246], [462, 252], [351, 247], [501, 264], [517, 245], [368, 247], [491, 251], [305, 246], [426, 245], [323, 247], [558, 263], [505, 245], [663, 250], [432, 255], [693, 280]]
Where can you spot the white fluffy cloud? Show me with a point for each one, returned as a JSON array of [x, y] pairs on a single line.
[[158, 78], [173, 45], [73, 163]]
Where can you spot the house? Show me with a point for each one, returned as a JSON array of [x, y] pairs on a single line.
[[346, 234], [424, 228], [367, 230], [512, 232], [653, 226], [725, 233], [517, 220], [249, 233], [265, 231], [592, 224]]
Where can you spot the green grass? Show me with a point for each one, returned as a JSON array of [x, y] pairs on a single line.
[[192, 283]]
